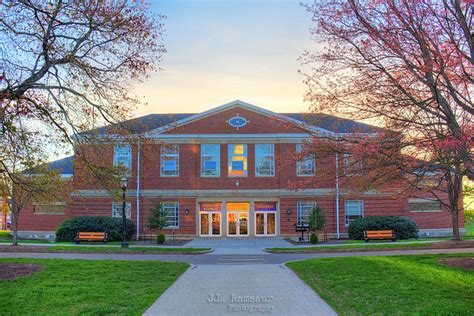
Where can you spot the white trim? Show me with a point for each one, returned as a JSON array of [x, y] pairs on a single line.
[[66, 175], [232, 193]]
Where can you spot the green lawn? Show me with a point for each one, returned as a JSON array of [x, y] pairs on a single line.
[[347, 246], [131, 249], [88, 287], [469, 228], [400, 285]]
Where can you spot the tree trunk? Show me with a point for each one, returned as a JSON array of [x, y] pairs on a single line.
[[455, 221], [454, 194], [15, 226]]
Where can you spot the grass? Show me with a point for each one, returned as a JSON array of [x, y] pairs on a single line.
[[414, 285], [469, 228], [88, 287], [349, 246], [131, 249], [4, 234]]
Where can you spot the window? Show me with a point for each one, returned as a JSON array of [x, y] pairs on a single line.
[[169, 161], [264, 160], [171, 210], [237, 160], [58, 208], [307, 166], [210, 160], [303, 211], [424, 206], [354, 210], [117, 208], [352, 166], [123, 158]]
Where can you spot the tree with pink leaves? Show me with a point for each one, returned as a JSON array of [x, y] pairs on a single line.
[[406, 66]]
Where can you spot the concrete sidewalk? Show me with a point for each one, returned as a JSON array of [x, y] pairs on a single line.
[[239, 290], [225, 246]]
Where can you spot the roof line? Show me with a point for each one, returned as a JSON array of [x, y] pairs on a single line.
[[229, 105]]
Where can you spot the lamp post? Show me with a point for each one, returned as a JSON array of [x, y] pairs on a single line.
[[123, 184]]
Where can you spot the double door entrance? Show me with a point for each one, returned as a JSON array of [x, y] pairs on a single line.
[[238, 224], [265, 223], [238, 219]]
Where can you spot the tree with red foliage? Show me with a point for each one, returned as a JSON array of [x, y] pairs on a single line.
[[406, 66], [67, 66]]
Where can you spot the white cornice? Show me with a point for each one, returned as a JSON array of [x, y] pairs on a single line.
[[223, 193]]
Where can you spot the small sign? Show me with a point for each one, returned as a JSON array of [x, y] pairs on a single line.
[[265, 206], [210, 207]]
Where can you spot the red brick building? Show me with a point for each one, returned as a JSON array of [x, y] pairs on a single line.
[[226, 172]]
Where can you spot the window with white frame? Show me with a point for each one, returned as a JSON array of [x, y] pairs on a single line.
[[421, 205], [123, 157], [169, 160], [117, 209], [304, 209], [237, 162], [351, 165], [264, 160], [354, 210], [171, 209], [305, 166], [210, 160]]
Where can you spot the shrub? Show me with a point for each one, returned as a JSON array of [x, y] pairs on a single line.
[[313, 238], [160, 239], [402, 226], [113, 226]]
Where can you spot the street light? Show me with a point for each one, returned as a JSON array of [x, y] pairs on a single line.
[[123, 184]]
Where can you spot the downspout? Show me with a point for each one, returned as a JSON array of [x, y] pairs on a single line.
[[138, 190], [337, 196]]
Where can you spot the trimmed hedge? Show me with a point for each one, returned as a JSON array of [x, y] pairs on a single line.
[[113, 226], [403, 227]]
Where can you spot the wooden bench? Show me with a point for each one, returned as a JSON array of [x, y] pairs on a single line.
[[378, 235], [91, 236]]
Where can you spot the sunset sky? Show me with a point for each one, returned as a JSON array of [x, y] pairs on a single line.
[[219, 51]]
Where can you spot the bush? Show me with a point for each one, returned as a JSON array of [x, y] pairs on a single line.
[[113, 226], [313, 238], [402, 226], [160, 239]]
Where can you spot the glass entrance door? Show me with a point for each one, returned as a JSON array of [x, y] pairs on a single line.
[[210, 224], [237, 224], [265, 223]]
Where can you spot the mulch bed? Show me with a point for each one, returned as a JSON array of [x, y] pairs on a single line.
[[465, 263], [12, 271]]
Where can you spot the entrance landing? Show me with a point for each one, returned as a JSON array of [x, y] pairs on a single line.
[[224, 246]]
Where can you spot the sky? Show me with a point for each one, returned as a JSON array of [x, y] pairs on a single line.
[[220, 51]]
